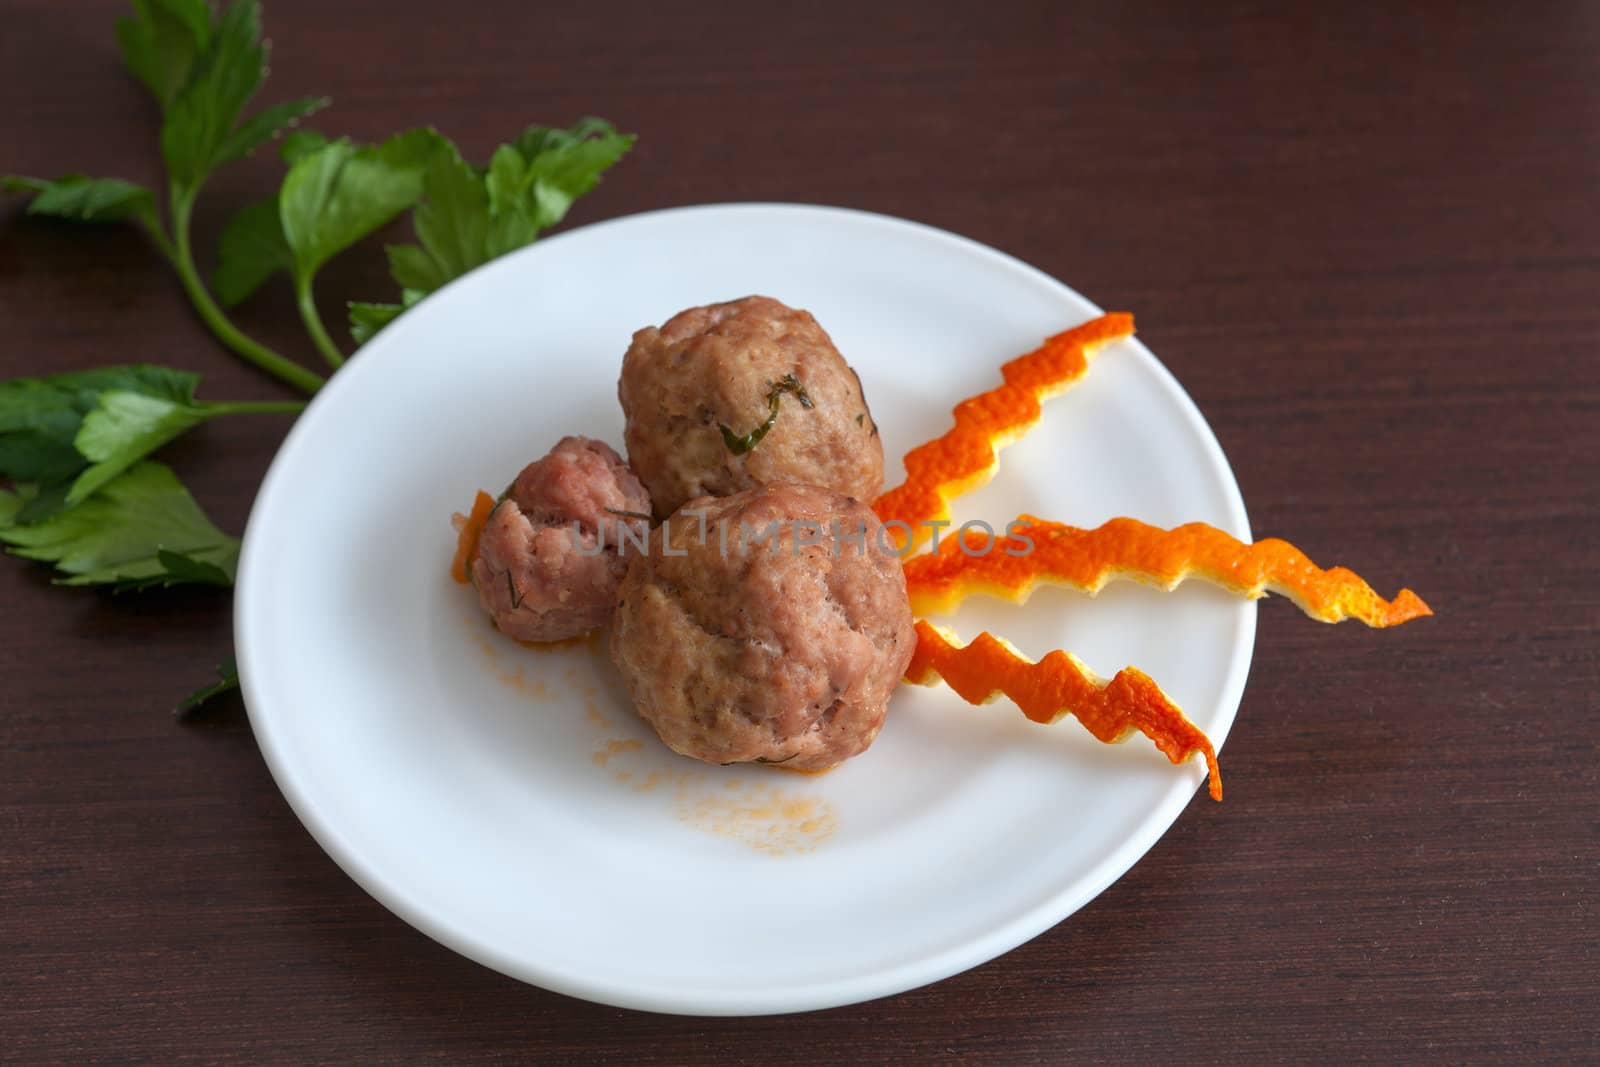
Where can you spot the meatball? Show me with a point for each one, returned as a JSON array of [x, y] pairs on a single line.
[[551, 554], [774, 650], [714, 373]]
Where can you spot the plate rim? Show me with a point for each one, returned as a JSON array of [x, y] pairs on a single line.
[[733, 1000]]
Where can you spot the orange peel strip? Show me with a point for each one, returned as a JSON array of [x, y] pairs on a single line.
[[468, 530], [1060, 685], [1126, 548], [967, 456]]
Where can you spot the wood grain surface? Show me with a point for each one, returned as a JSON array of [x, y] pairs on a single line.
[[1365, 240]]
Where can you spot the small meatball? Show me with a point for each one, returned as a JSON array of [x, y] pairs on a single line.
[[778, 651], [551, 554], [719, 366]]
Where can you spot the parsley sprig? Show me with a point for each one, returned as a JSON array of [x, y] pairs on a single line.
[[203, 68], [85, 496]]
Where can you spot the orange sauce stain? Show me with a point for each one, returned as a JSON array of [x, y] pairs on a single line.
[[763, 817], [757, 815], [515, 677], [613, 749], [590, 640], [801, 770]]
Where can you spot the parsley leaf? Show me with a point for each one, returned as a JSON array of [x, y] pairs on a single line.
[[84, 199], [533, 182], [37, 425], [161, 42], [297, 144], [338, 194], [201, 117], [70, 434], [202, 130], [227, 682], [253, 247], [251, 250], [142, 529], [40, 419], [265, 124], [341, 192], [469, 216], [452, 222], [125, 428], [178, 569], [367, 319]]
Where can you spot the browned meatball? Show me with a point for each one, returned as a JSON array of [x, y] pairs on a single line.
[[721, 366], [777, 650], [549, 560]]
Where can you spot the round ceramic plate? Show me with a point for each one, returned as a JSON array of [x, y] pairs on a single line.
[[507, 801]]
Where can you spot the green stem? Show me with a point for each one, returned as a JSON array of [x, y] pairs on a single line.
[[308, 314], [179, 252], [255, 407], [152, 226]]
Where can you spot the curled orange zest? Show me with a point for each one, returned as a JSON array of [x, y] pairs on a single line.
[[967, 456], [1039, 551], [467, 535], [1060, 685]]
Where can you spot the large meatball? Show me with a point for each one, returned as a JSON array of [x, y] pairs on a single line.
[[551, 555], [772, 650], [724, 366]]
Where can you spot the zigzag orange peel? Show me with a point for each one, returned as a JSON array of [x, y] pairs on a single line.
[[1059, 685], [1056, 554], [967, 456]]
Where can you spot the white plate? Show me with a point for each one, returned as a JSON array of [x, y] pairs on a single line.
[[508, 803]]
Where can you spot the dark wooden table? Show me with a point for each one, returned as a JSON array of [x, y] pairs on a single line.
[[1366, 242]]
